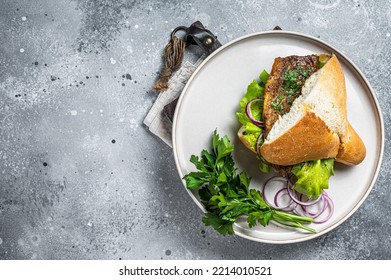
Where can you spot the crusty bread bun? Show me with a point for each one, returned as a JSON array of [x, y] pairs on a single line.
[[352, 150], [316, 127]]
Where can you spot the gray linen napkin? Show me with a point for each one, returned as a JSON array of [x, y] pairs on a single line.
[[157, 122]]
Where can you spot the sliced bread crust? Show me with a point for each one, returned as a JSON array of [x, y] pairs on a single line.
[[309, 139]]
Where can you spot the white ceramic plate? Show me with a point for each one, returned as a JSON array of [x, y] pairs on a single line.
[[211, 98]]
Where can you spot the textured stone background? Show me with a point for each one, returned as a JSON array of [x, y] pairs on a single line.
[[82, 178]]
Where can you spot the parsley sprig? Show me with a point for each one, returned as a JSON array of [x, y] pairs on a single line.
[[226, 194]]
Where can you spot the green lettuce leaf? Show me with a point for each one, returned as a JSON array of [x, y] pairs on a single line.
[[313, 176], [263, 77], [253, 90], [264, 166], [250, 132]]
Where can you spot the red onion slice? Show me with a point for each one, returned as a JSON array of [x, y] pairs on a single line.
[[291, 205], [330, 204], [326, 205], [275, 205], [319, 212], [304, 203], [249, 114], [266, 184]]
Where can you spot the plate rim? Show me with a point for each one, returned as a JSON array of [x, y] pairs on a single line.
[[284, 33]]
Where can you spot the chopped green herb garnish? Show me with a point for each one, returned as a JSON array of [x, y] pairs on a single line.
[[289, 100], [293, 81], [277, 103]]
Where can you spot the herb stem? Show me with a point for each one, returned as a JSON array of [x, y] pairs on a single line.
[[292, 220], [289, 216]]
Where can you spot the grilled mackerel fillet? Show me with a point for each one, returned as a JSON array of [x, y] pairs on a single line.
[[284, 85]]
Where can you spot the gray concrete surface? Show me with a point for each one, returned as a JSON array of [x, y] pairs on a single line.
[[81, 176]]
